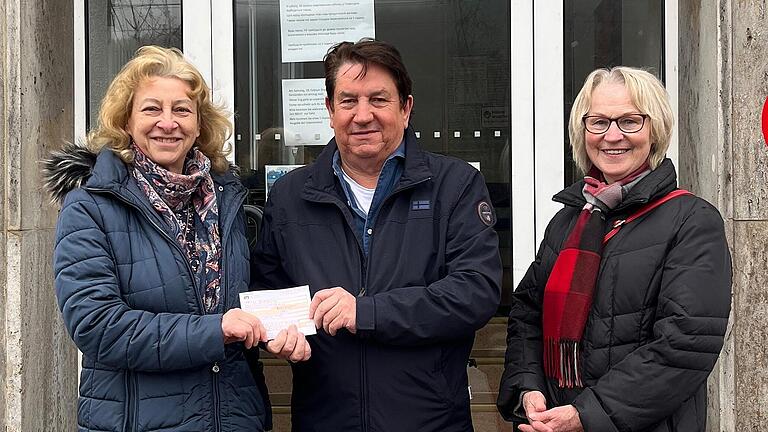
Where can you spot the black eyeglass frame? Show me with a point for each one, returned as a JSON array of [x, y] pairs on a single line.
[[614, 120]]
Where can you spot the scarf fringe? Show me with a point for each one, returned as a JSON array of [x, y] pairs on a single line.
[[561, 362]]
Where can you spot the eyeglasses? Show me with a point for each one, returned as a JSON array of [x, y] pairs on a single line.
[[629, 123]]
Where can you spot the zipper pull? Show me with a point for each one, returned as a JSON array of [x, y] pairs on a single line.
[[216, 368]]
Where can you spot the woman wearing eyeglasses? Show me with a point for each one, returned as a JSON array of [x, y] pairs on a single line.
[[620, 319]]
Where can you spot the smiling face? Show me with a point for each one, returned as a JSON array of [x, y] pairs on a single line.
[[163, 121], [366, 115], [615, 153]]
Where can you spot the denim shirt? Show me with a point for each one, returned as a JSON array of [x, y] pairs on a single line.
[[388, 178]]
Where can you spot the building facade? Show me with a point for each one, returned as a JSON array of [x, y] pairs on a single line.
[[493, 83]]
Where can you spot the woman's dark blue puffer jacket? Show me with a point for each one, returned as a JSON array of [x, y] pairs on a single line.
[[152, 360]]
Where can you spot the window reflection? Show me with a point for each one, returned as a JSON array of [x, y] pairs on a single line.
[[116, 29]]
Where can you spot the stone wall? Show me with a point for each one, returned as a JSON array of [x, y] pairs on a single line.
[[38, 363], [723, 83]]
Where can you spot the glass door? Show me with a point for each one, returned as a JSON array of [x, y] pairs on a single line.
[[459, 55], [462, 89]]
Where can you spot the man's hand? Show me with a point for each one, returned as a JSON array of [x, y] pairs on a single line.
[[333, 309], [290, 344], [560, 419], [240, 326]]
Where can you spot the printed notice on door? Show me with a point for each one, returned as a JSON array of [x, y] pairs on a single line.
[[279, 309], [309, 27], [305, 118]]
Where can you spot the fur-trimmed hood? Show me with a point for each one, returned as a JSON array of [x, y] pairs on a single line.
[[67, 169], [72, 166]]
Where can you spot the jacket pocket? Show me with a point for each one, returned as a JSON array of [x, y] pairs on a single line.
[[131, 404], [446, 391]]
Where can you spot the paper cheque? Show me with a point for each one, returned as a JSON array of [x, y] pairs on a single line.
[[278, 309]]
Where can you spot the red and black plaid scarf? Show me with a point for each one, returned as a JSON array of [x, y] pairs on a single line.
[[571, 284]]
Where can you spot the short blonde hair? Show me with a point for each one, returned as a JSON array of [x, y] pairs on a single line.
[[647, 94], [149, 62]]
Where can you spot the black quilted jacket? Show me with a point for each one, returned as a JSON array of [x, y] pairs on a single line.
[[656, 324]]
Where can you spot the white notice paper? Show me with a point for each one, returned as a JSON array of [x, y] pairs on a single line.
[[278, 309], [309, 27], [305, 118]]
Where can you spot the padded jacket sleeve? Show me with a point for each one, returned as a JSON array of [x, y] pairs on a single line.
[[691, 319], [523, 369], [454, 306], [102, 325]]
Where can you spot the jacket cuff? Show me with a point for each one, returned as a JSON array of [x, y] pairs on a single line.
[[210, 339], [365, 315], [518, 411], [510, 404], [592, 414]]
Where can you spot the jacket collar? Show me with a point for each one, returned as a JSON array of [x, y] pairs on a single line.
[[322, 181], [658, 183], [75, 165]]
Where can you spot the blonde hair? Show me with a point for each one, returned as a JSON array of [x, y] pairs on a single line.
[[149, 62], [647, 94]]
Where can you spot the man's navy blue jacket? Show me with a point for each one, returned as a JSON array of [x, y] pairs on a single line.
[[432, 279], [152, 360]]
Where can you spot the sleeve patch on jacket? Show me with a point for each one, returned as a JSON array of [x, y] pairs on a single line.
[[486, 214]]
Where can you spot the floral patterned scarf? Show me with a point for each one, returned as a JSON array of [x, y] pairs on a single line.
[[171, 195]]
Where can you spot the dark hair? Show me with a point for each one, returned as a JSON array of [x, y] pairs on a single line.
[[364, 52]]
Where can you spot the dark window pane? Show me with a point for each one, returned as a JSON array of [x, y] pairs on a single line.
[[116, 29], [606, 33]]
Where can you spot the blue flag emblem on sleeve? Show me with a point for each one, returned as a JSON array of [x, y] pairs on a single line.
[[420, 205]]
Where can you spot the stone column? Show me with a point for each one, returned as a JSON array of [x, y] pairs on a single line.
[[723, 84], [38, 361], [749, 87]]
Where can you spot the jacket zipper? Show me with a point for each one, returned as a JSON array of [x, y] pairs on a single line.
[[363, 374], [222, 301], [364, 261], [216, 414], [239, 198]]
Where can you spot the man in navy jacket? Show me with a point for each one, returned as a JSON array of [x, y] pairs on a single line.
[[398, 248]]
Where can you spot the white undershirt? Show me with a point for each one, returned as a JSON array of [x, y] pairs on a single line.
[[363, 195]]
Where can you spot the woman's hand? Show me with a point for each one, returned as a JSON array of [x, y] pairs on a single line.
[[290, 344], [560, 419], [533, 402], [240, 326]]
